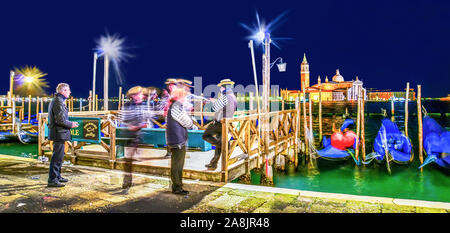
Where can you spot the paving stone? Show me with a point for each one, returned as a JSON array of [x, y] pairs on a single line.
[[227, 201]]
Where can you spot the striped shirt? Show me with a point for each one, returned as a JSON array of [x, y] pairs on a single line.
[[134, 114], [220, 103], [179, 114]]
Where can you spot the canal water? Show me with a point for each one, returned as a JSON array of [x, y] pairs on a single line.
[[405, 181]]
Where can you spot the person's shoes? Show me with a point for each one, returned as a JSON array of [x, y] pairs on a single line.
[[181, 192], [63, 180], [56, 184], [211, 166]]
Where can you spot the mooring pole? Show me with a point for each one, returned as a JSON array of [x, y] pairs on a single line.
[[392, 106], [320, 112], [90, 101], [305, 124], [29, 109], [42, 105], [406, 109], [363, 132], [419, 120], [120, 98], [358, 125]]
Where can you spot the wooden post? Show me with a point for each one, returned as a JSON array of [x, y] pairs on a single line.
[[201, 112], [310, 122], [419, 120], [123, 99], [297, 130], [29, 109], [40, 135], [96, 102], [21, 115], [363, 133], [120, 96], [304, 119], [358, 126], [90, 101], [37, 106], [392, 106], [224, 150], [42, 105], [406, 109], [11, 87], [112, 145], [320, 114]]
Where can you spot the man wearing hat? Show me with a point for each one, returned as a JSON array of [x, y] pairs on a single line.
[[224, 107], [134, 116], [171, 84]]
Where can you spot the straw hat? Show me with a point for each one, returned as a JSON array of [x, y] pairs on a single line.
[[184, 82], [135, 90], [171, 81], [226, 81]]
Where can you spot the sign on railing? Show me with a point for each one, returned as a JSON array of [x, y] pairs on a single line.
[[88, 129]]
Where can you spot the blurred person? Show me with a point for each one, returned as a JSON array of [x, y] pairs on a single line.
[[59, 132], [224, 107], [171, 85], [178, 121], [134, 116]]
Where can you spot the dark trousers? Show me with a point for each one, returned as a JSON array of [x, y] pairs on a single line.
[[128, 165], [176, 167], [56, 161], [213, 135]]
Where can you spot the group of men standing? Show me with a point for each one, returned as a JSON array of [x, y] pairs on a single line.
[[135, 115]]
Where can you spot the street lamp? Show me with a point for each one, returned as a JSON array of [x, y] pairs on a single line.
[[281, 65]]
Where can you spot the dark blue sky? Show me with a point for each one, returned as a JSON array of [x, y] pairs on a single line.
[[385, 43]]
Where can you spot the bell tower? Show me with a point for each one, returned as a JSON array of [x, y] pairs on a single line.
[[304, 73]]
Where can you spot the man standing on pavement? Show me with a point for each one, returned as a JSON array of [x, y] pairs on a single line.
[[224, 107], [59, 132], [178, 121], [134, 116]]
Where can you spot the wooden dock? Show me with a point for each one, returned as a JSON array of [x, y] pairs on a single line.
[[245, 151]]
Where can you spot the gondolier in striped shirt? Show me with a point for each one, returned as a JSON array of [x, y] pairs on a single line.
[[178, 122], [224, 107], [134, 115], [163, 105]]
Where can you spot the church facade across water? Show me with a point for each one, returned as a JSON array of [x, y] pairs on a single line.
[[336, 89]]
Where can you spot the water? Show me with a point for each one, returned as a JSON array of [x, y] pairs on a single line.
[[405, 181]]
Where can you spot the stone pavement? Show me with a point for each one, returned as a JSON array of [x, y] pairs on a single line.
[[23, 189]]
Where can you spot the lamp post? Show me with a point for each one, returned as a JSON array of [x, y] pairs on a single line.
[[105, 83], [93, 79]]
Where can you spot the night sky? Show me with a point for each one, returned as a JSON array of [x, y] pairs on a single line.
[[385, 43]]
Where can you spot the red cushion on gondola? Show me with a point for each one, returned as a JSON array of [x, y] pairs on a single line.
[[343, 141]]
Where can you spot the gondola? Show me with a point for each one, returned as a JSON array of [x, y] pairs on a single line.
[[399, 147], [341, 145], [436, 142]]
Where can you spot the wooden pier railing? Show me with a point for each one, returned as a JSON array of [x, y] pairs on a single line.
[[241, 133]]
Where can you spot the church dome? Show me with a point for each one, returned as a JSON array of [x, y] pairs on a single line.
[[338, 77]]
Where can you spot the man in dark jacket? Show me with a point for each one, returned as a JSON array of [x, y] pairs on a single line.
[[178, 121], [59, 132]]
